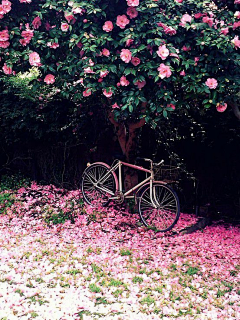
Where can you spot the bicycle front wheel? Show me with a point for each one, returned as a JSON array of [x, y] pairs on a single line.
[[99, 184], [163, 212]]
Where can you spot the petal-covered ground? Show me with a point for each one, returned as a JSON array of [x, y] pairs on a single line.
[[106, 265]]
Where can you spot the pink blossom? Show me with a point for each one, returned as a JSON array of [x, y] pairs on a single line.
[[132, 12], [104, 73], [107, 94], [4, 44], [129, 42], [164, 71], [236, 42], [64, 27], [122, 21], [124, 81], [225, 31], [105, 52], [185, 48], [185, 18], [6, 69], [53, 45], [6, 6], [208, 20], [108, 26], [36, 23], [87, 92], [179, 1], [126, 55], [198, 15], [237, 1], [163, 52], [221, 107], [115, 106], [49, 79], [70, 18], [25, 1], [133, 3], [236, 25], [237, 14], [78, 10], [4, 35], [140, 84], [88, 70], [34, 59], [182, 73], [172, 106], [211, 83], [135, 61]]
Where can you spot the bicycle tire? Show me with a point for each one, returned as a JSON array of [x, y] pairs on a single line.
[[164, 215], [92, 194]]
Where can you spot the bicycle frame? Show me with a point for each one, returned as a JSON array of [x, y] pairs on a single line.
[[127, 195]]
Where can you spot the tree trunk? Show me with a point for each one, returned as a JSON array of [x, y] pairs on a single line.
[[127, 138]]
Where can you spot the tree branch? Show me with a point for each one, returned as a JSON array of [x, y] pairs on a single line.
[[235, 109]]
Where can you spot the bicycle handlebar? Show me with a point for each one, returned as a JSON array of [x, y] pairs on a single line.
[[149, 160], [144, 159]]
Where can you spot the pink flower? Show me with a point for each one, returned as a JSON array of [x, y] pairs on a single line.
[[211, 83], [4, 44], [208, 20], [133, 3], [236, 42], [6, 69], [49, 79], [135, 61], [126, 55], [172, 106], [25, 1], [36, 23], [163, 52], [64, 27], [34, 59], [140, 84], [164, 71], [132, 12], [237, 14], [198, 15], [6, 6], [87, 92], [104, 73], [69, 18], [237, 1], [185, 48], [182, 73], [4, 36], [122, 21], [108, 26], [53, 45], [225, 31], [129, 42], [185, 18], [107, 94], [221, 107], [124, 81], [105, 52], [236, 25], [115, 105], [179, 1], [88, 70]]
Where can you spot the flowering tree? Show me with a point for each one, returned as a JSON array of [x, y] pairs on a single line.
[[143, 59]]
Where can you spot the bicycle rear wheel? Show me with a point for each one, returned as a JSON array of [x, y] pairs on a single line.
[[98, 184], [164, 212]]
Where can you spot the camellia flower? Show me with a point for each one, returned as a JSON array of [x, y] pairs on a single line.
[[34, 59], [25, 1], [107, 94], [135, 61], [53, 45], [179, 1], [6, 6], [132, 12], [87, 92], [6, 69], [221, 107], [126, 55], [163, 52], [64, 27], [225, 31], [133, 3], [237, 1], [4, 35], [164, 71], [172, 106], [124, 81], [208, 20], [49, 79], [182, 73], [108, 26], [236, 42], [140, 84], [185, 18], [122, 21], [211, 83], [115, 106], [105, 52], [104, 73], [129, 42], [36, 23], [237, 14]]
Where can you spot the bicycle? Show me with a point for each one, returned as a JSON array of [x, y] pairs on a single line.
[[157, 203]]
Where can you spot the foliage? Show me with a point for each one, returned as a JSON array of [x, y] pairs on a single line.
[[13, 182], [173, 54]]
